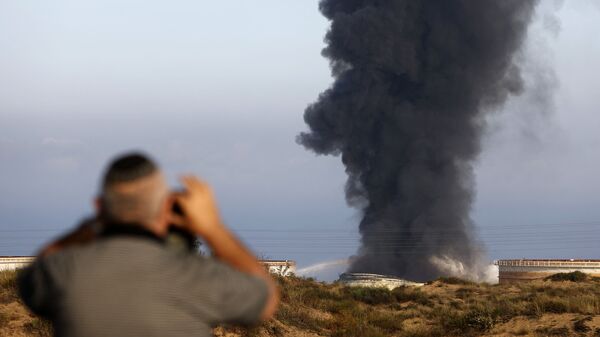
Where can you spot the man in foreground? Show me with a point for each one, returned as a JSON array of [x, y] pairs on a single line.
[[117, 277]]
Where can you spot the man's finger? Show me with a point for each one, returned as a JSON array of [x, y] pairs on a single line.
[[193, 182], [189, 181], [177, 220]]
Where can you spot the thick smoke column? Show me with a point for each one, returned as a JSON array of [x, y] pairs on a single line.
[[413, 80]]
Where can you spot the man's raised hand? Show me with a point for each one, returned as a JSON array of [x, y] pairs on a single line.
[[199, 206]]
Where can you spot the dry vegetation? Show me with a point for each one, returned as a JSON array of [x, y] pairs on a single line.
[[566, 305]]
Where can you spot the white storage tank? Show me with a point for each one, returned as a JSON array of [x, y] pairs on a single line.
[[375, 281], [534, 269], [15, 262]]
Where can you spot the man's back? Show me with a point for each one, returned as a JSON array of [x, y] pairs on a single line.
[[131, 284]]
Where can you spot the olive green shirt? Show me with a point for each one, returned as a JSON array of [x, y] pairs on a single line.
[[133, 285]]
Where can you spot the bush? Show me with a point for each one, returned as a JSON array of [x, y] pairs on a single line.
[[555, 306], [478, 320], [575, 276], [468, 322], [385, 321], [8, 280], [355, 324], [544, 304], [371, 295], [454, 280], [299, 318], [315, 297], [503, 309], [464, 293], [336, 307], [39, 327], [410, 294]]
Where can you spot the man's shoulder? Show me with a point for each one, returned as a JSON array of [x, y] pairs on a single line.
[[114, 251]]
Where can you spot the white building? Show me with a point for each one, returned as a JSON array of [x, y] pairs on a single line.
[[525, 270], [278, 267], [15, 262]]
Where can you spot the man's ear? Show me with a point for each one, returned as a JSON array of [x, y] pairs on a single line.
[[163, 222], [167, 206]]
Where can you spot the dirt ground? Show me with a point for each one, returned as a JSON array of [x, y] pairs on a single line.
[[441, 308]]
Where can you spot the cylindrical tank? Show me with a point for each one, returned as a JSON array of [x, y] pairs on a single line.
[[15, 262], [527, 270], [375, 281]]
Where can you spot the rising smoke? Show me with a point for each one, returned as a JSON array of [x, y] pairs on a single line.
[[413, 82]]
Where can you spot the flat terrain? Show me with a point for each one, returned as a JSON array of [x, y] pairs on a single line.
[[445, 307]]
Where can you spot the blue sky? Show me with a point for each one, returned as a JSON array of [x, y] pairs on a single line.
[[219, 89]]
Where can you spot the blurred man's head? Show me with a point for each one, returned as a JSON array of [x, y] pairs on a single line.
[[134, 191]]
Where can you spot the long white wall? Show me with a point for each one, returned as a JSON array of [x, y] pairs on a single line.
[[283, 268], [552, 270], [15, 262]]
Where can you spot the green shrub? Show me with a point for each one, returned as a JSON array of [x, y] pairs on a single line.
[[385, 321], [299, 318], [575, 276], [39, 327], [464, 293], [8, 280], [336, 307], [315, 296], [455, 280], [555, 306], [588, 304], [411, 294], [355, 324], [468, 322], [371, 295], [504, 309]]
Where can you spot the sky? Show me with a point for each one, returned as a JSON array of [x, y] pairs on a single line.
[[218, 89]]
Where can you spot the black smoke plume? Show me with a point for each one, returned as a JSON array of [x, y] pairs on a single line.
[[413, 82]]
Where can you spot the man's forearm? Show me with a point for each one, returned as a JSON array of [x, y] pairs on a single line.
[[230, 250], [202, 218]]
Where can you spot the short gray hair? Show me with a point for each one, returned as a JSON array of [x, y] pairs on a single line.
[[133, 190]]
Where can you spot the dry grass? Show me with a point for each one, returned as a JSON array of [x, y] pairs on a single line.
[[445, 307], [14, 319]]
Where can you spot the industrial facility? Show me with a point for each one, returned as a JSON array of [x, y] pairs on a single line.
[[15, 262], [375, 281], [278, 267], [527, 270]]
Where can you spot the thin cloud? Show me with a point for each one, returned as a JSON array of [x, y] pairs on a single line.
[[61, 142]]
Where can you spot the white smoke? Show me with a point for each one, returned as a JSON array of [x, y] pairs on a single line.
[[326, 270], [481, 272]]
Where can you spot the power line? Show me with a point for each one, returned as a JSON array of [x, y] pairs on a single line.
[[390, 230]]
